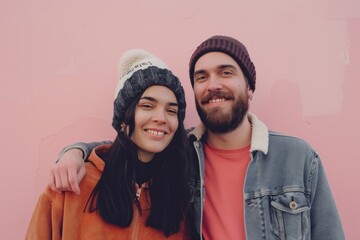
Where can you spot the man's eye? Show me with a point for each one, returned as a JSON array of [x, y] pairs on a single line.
[[199, 78], [147, 106], [227, 73]]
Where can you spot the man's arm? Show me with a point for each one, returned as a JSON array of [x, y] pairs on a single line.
[[325, 220], [69, 169]]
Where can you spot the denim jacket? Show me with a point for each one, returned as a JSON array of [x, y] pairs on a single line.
[[286, 194]]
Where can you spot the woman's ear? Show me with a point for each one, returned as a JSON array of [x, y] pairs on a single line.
[[122, 127]]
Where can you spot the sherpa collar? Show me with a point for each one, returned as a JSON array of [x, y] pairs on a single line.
[[259, 136]]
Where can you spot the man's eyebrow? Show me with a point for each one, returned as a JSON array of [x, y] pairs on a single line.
[[222, 66], [152, 99], [227, 66], [199, 72]]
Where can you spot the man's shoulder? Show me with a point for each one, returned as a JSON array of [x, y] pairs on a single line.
[[281, 140], [195, 133], [188, 130]]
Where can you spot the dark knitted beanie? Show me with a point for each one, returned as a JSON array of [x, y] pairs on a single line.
[[229, 46], [138, 71]]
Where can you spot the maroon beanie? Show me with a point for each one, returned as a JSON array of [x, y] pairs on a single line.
[[229, 46]]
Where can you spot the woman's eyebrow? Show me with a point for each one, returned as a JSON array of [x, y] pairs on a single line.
[[149, 98], [173, 104], [152, 99]]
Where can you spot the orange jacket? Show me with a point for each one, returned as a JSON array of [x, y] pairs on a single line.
[[62, 216]]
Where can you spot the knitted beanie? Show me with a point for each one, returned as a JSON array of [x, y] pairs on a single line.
[[229, 46], [139, 70]]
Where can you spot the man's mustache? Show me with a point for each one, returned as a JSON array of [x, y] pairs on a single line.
[[212, 95]]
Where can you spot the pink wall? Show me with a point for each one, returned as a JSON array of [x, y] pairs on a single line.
[[58, 71]]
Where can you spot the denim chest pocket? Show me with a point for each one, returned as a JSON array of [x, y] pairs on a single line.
[[290, 215]]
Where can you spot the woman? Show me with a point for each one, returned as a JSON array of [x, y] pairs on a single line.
[[135, 188]]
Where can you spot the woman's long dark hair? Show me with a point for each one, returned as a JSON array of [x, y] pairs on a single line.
[[114, 195]]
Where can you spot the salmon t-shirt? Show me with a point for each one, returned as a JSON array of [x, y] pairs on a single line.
[[225, 172]]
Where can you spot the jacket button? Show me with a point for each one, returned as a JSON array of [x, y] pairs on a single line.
[[293, 205]]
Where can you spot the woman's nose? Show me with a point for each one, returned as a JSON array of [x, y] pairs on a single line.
[[159, 116]]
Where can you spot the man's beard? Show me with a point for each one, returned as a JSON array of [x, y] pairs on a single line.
[[218, 122]]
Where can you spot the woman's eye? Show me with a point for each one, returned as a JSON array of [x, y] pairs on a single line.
[[174, 111]]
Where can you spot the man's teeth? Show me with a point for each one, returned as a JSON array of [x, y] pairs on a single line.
[[217, 100], [155, 132]]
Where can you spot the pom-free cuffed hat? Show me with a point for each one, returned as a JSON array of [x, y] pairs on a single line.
[[140, 70], [231, 47]]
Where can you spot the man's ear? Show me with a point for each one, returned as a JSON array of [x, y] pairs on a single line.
[[250, 93]]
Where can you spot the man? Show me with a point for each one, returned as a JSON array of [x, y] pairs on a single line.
[[278, 191]]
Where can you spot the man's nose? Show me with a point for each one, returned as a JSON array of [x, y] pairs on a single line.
[[214, 83]]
